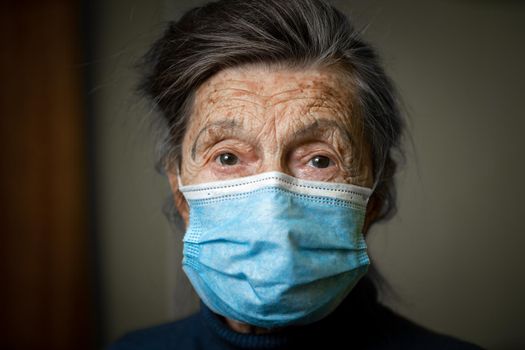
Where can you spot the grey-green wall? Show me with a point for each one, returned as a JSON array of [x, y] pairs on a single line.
[[454, 253], [139, 262]]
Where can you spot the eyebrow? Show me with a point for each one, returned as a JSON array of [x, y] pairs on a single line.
[[319, 127], [230, 124]]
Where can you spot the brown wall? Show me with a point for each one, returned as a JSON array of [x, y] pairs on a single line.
[[44, 291]]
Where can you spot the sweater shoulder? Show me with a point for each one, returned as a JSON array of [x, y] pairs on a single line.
[[181, 334], [403, 333]]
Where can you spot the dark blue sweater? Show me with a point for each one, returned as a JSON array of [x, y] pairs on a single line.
[[360, 322]]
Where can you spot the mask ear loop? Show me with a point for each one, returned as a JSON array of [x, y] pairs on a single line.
[[376, 182], [177, 173], [378, 175]]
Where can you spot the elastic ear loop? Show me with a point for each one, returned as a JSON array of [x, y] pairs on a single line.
[[179, 181], [376, 182], [378, 175]]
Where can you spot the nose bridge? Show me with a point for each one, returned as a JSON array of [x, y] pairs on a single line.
[[274, 160], [272, 141]]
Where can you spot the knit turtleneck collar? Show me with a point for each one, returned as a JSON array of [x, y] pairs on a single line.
[[356, 305]]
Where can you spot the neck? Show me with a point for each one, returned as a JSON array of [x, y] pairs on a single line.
[[247, 328]]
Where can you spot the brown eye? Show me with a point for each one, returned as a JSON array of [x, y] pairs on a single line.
[[320, 162], [227, 159]]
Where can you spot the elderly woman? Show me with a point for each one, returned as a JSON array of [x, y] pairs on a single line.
[[280, 131]]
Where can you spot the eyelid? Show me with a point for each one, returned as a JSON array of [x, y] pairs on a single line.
[[328, 152], [222, 146], [212, 137]]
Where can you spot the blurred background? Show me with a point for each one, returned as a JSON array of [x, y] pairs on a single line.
[[86, 253]]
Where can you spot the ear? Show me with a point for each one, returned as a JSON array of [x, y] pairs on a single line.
[[180, 202], [373, 209]]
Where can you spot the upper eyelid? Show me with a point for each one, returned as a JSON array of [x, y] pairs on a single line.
[[212, 141], [228, 145], [322, 155], [328, 150], [214, 130], [332, 158], [213, 137]]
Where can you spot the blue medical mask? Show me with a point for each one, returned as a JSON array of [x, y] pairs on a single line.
[[272, 250]]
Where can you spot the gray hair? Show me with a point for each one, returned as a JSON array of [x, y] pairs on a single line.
[[291, 33]]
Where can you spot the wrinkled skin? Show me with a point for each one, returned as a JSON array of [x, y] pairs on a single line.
[[253, 119]]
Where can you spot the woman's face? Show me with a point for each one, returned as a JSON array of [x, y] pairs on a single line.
[[256, 119]]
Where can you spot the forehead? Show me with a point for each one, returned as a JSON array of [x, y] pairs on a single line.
[[263, 89], [268, 80]]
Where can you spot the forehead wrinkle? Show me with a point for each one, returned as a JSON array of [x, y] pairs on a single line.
[[216, 99], [221, 88], [321, 126], [225, 105], [327, 94], [226, 89], [283, 92], [219, 97], [339, 109], [231, 107], [302, 88], [318, 102], [245, 100], [256, 87], [230, 80], [321, 91]]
